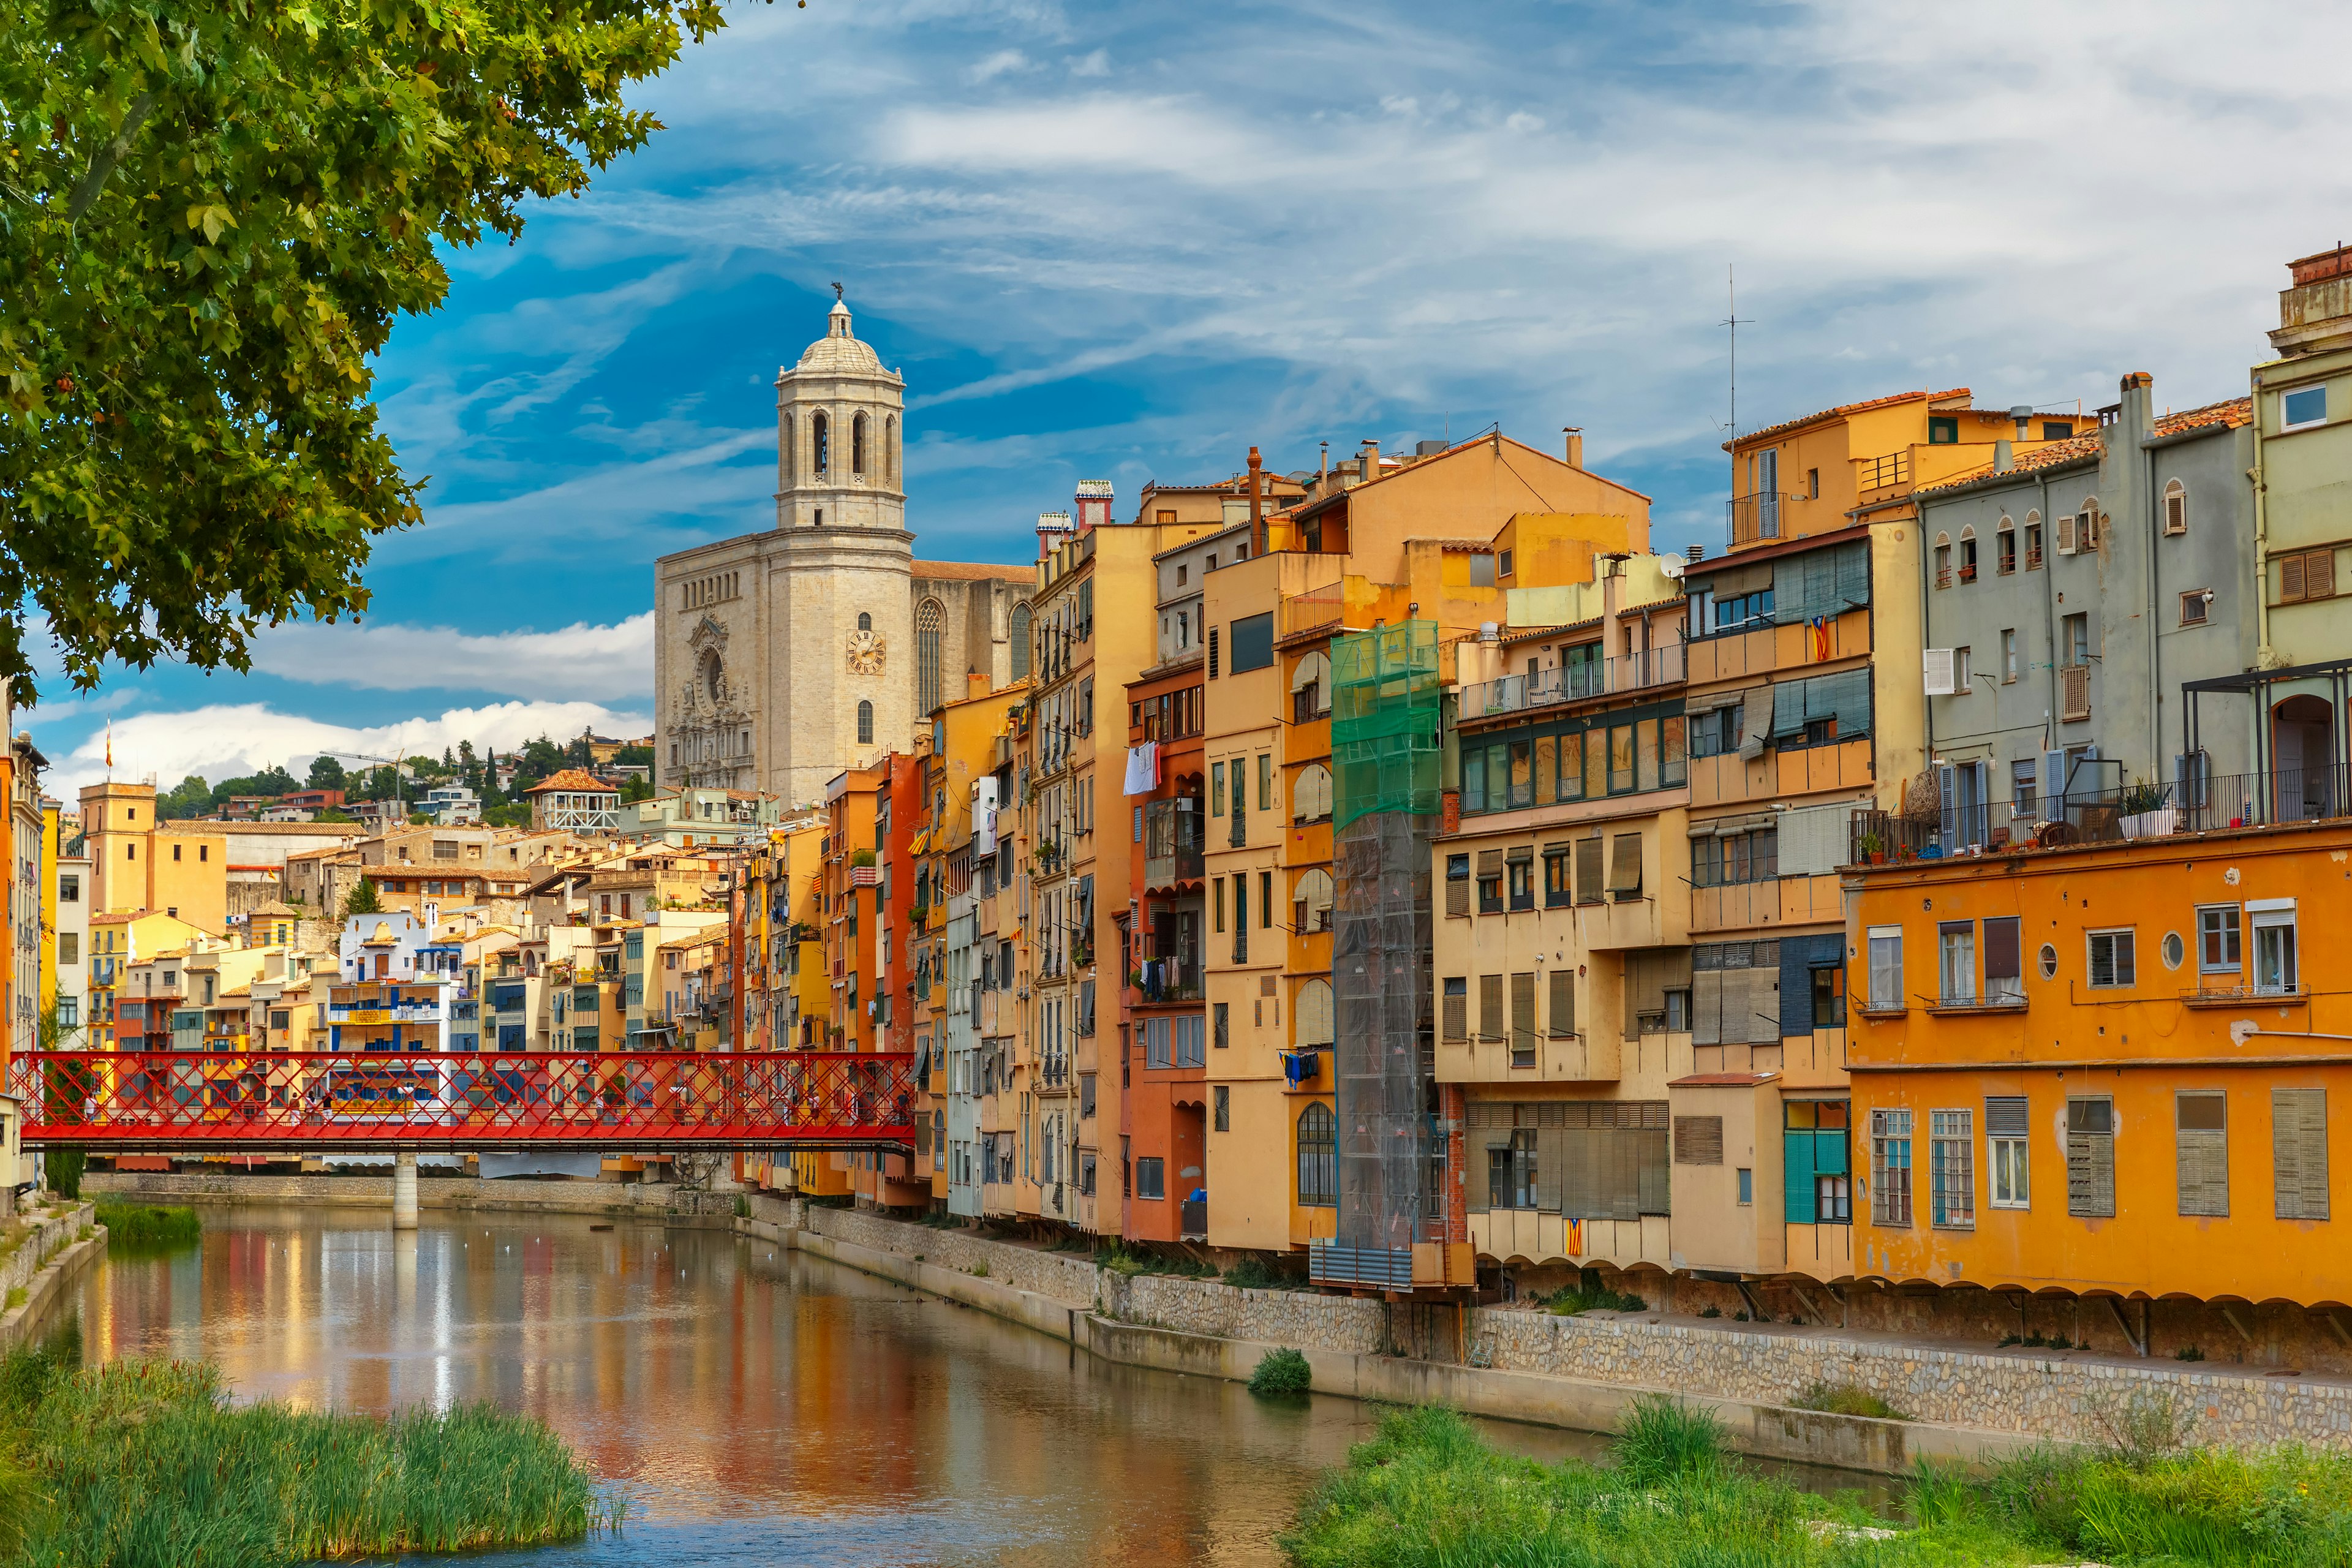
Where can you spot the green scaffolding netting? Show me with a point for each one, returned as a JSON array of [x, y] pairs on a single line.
[[1385, 722]]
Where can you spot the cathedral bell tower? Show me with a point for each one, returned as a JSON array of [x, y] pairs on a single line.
[[839, 418]]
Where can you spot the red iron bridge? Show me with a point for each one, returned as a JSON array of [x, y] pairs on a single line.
[[253, 1102]]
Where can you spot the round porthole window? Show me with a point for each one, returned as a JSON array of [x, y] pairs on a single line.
[[2049, 961], [2173, 951]]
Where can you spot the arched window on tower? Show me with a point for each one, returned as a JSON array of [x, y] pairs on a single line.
[[865, 622], [857, 446], [930, 632], [865, 724], [1020, 642], [890, 450], [788, 431], [820, 433]]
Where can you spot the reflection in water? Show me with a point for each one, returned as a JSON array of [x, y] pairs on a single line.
[[759, 1406]]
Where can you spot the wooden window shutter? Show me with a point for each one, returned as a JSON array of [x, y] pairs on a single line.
[[1490, 1007], [2290, 579], [1523, 1014], [1551, 1163], [1698, 1140], [1456, 1019], [1625, 865], [2074, 683], [1588, 870], [1561, 1016], [2066, 534], [1490, 864], [2299, 1152], [2319, 575], [2202, 1153], [2091, 1158], [1457, 894], [1706, 1008]]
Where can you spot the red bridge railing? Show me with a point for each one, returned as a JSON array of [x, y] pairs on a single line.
[[166, 1101]]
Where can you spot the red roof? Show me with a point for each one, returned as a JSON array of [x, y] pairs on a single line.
[[2227, 415], [574, 781]]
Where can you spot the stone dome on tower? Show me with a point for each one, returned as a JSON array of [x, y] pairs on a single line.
[[839, 349]]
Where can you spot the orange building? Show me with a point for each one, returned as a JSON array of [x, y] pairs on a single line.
[[2107, 1071], [1163, 1114]]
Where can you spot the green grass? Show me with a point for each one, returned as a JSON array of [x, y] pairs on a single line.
[[1426, 1492], [1846, 1399], [1281, 1372], [1571, 1300], [145, 1465], [145, 1224]]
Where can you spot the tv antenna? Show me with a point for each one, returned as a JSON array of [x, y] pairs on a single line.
[[1735, 322]]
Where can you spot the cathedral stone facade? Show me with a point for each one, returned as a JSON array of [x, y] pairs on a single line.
[[784, 656]]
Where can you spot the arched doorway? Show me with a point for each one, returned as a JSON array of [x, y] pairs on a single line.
[[2302, 752]]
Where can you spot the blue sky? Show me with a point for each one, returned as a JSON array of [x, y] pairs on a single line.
[[1127, 241]]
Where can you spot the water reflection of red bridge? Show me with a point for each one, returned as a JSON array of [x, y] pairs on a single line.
[[257, 1101]]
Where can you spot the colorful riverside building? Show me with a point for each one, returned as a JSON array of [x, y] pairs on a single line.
[[2111, 1073], [1804, 703], [1326, 650], [963, 772]]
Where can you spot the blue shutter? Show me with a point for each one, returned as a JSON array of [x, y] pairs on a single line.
[[1788, 708], [1797, 1175]]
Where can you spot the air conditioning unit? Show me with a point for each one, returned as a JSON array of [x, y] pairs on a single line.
[[1939, 665]]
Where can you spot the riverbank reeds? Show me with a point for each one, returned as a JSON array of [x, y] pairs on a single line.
[[146, 1465], [149, 1225], [1426, 1492]]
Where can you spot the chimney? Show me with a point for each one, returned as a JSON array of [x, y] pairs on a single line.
[[2138, 415], [1369, 457], [2004, 456], [975, 683], [1697, 553], [1257, 508], [2315, 313], [1575, 434]]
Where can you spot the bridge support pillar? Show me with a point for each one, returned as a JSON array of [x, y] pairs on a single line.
[[404, 1192]]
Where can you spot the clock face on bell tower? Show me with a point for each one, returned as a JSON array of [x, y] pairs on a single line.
[[868, 652]]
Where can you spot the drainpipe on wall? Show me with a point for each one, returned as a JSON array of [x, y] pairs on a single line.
[[2139, 401], [2264, 657]]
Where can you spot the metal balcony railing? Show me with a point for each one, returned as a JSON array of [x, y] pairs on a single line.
[[1890, 471], [1574, 682], [1312, 610], [1759, 516]]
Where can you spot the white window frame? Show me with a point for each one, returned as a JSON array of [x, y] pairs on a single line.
[[2286, 395], [2236, 930], [1956, 939], [2274, 915], [1875, 1001], [2131, 951], [2007, 1167]]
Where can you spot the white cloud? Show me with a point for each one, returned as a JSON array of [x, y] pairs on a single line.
[[224, 741], [580, 661], [1095, 63], [1003, 62]]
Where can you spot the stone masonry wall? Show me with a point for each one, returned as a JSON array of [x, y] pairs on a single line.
[[1301, 1318], [2051, 1394], [1063, 1276], [2046, 1394]]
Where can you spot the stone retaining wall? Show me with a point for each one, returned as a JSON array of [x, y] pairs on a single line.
[[2021, 1393], [54, 1230], [2053, 1395], [1067, 1277]]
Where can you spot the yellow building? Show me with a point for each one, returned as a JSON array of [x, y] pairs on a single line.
[[180, 869], [119, 939]]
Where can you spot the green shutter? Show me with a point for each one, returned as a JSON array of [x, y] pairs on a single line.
[[1829, 1153], [1798, 1173]]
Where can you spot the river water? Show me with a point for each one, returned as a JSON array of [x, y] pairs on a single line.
[[755, 1404]]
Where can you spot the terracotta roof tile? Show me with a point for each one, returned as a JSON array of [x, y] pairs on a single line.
[[973, 571], [2227, 415], [1845, 408]]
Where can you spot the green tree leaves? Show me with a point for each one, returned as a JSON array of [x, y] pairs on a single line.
[[210, 214]]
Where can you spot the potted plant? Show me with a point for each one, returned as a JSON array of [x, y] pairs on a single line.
[[1873, 849], [2143, 814]]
